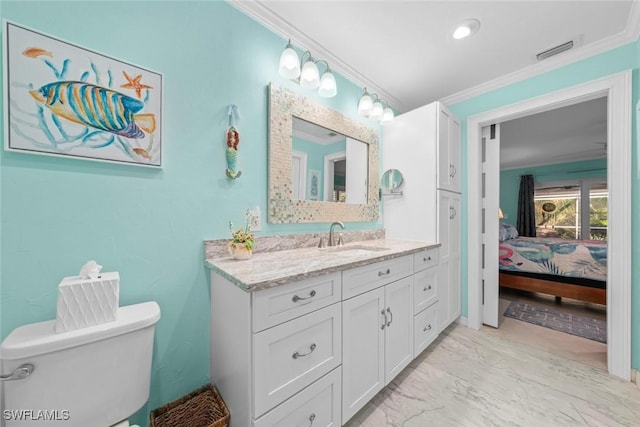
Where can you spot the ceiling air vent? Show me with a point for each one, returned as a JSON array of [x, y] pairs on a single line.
[[555, 50]]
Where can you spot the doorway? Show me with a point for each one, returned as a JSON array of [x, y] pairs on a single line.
[[617, 88]]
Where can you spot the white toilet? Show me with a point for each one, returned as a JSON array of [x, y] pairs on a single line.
[[91, 377]]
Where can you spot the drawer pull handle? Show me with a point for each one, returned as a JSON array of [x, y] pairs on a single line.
[[311, 348], [312, 418], [390, 317], [427, 288], [296, 298], [427, 328], [427, 258], [384, 321], [384, 273]]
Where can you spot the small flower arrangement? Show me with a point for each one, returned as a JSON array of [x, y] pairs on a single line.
[[242, 235], [241, 245]]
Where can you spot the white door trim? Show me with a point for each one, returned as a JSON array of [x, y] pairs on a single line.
[[617, 87], [329, 160], [302, 179]]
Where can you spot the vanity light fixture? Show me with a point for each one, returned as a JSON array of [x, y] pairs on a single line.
[[306, 72], [371, 106], [466, 28]]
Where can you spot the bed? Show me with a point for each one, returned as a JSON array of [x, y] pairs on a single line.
[[564, 268]]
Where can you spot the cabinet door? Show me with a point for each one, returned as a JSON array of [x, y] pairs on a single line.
[[399, 330], [454, 259], [448, 150], [449, 265], [454, 153], [363, 326]]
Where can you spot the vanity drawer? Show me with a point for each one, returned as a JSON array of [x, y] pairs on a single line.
[[289, 357], [425, 259], [425, 329], [425, 285], [277, 305], [317, 405], [362, 279]]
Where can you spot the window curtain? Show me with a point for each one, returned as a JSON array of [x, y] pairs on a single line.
[[526, 224]]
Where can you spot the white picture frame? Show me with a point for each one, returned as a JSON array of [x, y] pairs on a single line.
[[61, 99]]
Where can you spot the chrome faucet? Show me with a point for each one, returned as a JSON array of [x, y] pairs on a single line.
[[332, 241]]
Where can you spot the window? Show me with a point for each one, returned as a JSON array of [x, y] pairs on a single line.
[[560, 212]]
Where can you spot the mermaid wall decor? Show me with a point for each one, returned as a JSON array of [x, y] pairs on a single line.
[[233, 140]]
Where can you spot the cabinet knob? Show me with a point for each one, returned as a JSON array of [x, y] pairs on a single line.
[[296, 298], [384, 273], [384, 321], [427, 328], [298, 354], [312, 418], [427, 288], [427, 258]]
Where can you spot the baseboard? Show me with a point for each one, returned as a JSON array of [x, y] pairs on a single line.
[[462, 320], [635, 378]]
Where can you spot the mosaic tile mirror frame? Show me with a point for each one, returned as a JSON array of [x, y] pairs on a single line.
[[283, 208]]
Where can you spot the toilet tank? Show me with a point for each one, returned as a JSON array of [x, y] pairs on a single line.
[[95, 376]]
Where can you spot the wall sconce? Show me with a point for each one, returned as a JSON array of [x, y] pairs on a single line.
[[371, 106], [306, 72], [500, 213]]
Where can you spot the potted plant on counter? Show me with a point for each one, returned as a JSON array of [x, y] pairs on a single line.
[[241, 245]]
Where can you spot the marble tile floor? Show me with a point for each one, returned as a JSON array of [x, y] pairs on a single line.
[[586, 351], [478, 378]]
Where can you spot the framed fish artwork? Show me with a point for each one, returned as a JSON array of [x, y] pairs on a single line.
[[61, 99]]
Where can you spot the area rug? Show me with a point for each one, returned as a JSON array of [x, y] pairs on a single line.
[[574, 324]]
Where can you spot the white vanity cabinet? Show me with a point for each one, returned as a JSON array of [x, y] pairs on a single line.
[[272, 345], [315, 351], [377, 331], [449, 158]]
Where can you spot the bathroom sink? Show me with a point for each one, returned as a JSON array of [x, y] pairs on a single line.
[[359, 248]]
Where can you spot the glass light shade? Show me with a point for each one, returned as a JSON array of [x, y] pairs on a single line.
[[500, 213], [364, 105], [289, 64], [461, 32], [376, 111], [387, 117], [328, 87], [310, 76]]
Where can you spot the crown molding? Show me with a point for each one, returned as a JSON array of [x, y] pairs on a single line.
[[629, 35], [287, 30]]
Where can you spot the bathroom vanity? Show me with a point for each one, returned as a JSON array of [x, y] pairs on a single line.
[[308, 336]]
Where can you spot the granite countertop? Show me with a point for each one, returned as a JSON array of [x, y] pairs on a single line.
[[270, 269]]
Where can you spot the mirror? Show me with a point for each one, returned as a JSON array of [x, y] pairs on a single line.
[[300, 190], [327, 166], [392, 180]]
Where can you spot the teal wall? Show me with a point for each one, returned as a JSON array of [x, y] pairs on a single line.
[[510, 180], [613, 61], [150, 224]]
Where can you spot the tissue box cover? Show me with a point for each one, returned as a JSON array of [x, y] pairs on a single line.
[[87, 302]]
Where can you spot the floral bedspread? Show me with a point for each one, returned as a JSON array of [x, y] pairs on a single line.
[[560, 257]]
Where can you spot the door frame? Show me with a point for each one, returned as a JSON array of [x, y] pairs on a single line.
[[617, 87]]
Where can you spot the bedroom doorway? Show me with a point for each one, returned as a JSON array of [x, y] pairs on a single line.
[[617, 89], [552, 275]]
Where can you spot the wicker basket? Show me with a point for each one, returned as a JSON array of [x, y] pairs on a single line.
[[201, 408]]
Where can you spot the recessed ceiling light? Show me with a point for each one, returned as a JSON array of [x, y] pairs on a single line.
[[465, 29]]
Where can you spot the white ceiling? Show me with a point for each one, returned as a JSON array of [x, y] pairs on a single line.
[[577, 132], [403, 51]]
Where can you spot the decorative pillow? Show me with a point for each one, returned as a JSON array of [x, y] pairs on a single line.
[[507, 231]]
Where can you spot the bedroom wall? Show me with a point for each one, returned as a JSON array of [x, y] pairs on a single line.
[[623, 58], [150, 224], [510, 180]]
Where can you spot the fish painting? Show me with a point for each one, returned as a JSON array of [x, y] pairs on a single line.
[[34, 52], [96, 107]]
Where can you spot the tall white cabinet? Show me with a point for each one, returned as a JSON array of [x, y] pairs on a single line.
[[424, 144]]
